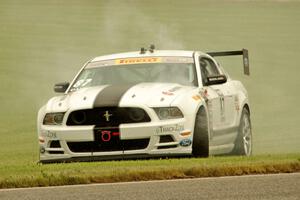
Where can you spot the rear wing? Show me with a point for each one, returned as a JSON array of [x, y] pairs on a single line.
[[243, 52]]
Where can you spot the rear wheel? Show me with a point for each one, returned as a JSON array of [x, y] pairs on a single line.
[[200, 147], [243, 143]]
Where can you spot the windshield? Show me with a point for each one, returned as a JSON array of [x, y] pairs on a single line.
[[119, 72]]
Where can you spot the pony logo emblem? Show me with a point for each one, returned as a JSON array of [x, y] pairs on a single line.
[[107, 116]]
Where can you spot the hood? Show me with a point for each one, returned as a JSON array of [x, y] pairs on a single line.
[[154, 94], [149, 94]]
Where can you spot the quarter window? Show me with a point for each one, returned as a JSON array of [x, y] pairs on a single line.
[[208, 68]]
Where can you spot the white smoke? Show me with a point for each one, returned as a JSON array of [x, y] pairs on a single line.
[[127, 27]]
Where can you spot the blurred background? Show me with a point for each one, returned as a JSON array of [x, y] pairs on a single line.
[[44, 42]]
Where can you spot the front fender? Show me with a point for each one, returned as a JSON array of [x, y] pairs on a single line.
[[189, 104]]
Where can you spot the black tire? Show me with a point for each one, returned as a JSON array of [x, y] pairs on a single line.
[[243, 142], [200, 146]]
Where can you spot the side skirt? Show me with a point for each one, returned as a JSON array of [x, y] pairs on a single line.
[[223, 141]]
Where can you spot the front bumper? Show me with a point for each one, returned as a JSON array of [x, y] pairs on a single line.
[[164, 138]]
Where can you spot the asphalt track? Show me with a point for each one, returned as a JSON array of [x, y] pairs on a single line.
[[277, 186]]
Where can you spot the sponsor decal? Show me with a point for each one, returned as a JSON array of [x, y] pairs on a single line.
[[185, 133], [215, 78], [185, 142], [168, 129], [178, 59], [101, 63], [125, 61], [168, 93], [174, 89], [222, 104], [236, 102], [246, 61], [196, 97], [171, 91], [49, 134], [204, 94]]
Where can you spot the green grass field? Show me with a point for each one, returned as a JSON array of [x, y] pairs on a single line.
[[31, 175], [44, 42]]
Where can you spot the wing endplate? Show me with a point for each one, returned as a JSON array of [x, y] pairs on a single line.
[[243, 52]]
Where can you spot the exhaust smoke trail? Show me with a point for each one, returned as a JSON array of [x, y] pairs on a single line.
[[132, 28]]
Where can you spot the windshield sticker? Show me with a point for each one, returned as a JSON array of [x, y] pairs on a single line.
[[177, 59], [141, 60], [137, 60], [102, 63]]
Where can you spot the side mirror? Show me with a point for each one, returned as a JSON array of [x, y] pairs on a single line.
[[61, 87], [214, 80]]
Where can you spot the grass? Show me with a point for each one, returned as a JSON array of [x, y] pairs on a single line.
[[34, 175], [44, 42]]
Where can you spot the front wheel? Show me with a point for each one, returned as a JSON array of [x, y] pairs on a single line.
[[243, 143], [200, 147]]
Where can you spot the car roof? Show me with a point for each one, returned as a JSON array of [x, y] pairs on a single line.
[[137, 54]]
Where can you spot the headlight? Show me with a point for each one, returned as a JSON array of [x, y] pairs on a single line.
[[168, 113], [53, 118]]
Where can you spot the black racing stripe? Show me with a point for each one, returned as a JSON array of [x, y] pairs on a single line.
[[107, 132], [111, 95]]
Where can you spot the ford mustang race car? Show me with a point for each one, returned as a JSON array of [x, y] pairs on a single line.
[[145, 104]]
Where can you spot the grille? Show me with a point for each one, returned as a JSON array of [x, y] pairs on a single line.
[[55, 144], [107, 116], [165, 139], [56, 152], [122, 145], [167, 147]]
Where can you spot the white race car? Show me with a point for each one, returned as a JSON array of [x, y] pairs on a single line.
[[145, 104]]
